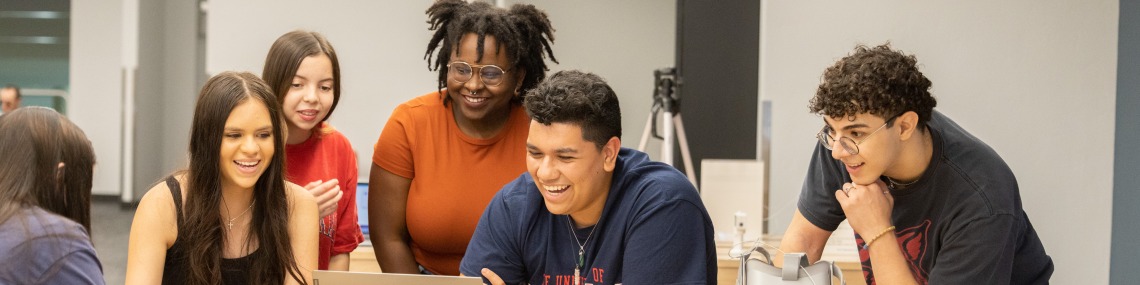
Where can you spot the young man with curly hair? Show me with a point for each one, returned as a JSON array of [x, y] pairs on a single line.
[[929, 202], [588, 211]]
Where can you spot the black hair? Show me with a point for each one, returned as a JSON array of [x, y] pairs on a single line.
[[879, 81], [523, 31], [579, 98]]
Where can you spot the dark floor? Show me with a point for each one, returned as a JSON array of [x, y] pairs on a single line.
[[110, 228]]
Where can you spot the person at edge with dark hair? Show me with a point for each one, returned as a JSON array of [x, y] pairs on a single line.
[[10, 98], [442, 155], [303, 70], [231, 216], [589, 211], [929, 202], [45, 200]]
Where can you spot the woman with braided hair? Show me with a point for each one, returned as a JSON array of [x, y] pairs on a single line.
[[443, 155]]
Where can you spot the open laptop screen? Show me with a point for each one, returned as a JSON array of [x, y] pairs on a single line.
[[362, 207]]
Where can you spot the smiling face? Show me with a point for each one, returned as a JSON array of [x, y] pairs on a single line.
[[309, 98], [476, 101], [572, 174], [877, 153], [247, 145]]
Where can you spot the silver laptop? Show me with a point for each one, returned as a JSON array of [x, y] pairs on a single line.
[[322, 277]]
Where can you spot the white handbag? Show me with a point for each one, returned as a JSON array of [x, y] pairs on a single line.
[[753, 271]]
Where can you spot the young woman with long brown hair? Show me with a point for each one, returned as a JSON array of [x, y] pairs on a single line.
[[45, 200], [231, 218]]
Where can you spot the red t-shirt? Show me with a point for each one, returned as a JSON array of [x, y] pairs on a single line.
[[454, 176], [327, 154]]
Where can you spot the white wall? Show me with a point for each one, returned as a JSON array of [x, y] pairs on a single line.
[[1033, 79], [96, 87], [381, 45], [603, 38]]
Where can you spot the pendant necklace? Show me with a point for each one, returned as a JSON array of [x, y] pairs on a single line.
[[581, 248], [230, 224]]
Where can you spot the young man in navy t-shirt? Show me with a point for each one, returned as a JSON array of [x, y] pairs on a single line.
[[589, 211], [929, 202]]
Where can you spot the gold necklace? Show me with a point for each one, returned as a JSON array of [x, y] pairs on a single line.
[[230, 224], [581, 247]]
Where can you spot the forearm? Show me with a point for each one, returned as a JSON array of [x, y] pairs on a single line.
[[395, 256], [802, 236], [888, 262]]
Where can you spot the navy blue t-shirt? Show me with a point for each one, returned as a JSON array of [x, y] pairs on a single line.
[[961, 222], [653, 230]]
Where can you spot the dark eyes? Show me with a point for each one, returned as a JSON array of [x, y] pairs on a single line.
[[263, 135]]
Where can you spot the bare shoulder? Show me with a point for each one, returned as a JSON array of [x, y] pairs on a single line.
[[298, 196], [157, 213], [295, 192]]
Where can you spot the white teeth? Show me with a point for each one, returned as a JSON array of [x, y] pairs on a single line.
[[474, 99], [247, 164], [556, 188], [309, 112]]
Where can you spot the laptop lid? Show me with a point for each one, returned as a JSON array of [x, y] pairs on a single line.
[[323, 277]]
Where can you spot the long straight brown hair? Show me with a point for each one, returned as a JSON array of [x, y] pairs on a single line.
[[202, 232], [35, 141]]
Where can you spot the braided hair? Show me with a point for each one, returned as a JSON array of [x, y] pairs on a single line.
[[523, 31]]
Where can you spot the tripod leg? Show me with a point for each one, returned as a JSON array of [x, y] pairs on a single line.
[[688, 158], [667, 144], [645, 134]]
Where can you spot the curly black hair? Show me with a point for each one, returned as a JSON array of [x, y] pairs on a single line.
[[578, 98], [879, 81], [523, 31]]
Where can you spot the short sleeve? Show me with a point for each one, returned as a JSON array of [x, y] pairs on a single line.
[[817, 198], [495, 243], [393, 150], [348, 234]]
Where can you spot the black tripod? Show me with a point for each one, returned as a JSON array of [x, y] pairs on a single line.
[[666, 101]]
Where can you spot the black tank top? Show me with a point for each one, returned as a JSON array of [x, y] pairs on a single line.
[[176, 269]]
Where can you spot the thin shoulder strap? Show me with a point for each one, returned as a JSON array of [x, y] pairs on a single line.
[[176, 193]]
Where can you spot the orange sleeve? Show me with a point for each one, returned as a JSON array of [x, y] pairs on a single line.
[[393, 151]]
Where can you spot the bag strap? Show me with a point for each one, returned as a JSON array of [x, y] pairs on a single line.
[[838, 273], [792, 273], [742, 277]]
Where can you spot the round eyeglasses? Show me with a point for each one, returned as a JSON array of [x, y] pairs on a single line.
[[848, 144], [461, 72]]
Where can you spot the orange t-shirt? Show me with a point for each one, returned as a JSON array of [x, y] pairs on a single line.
[[454, 176]]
